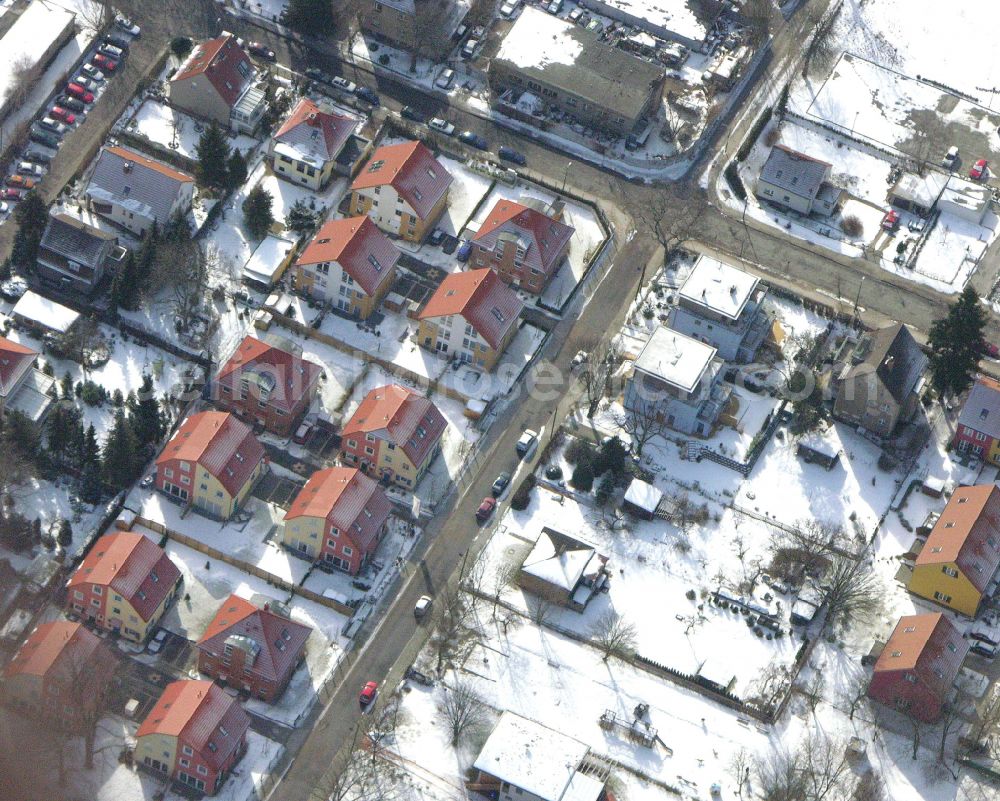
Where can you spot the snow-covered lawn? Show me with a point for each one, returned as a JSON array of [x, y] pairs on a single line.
[[172, 128]]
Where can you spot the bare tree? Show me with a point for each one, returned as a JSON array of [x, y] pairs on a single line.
[[94, 16], [685, 513], [597, 371], [854, 693], [952, 714], [24, 75], [506, 579], [817, 770], [822, 46], [431, 37], [453, 631], [613, 635], [768, 685], [854, 593], [351, 773], [870, 787], [668, 215], [739, 769], [642, 422], [540, 610], [463, 710], [806, 548], [987, 719]]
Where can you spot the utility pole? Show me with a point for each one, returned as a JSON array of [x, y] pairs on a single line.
[[857, 300]]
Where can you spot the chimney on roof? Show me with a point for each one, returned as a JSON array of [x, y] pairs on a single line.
[[127, 166], [312, 119]]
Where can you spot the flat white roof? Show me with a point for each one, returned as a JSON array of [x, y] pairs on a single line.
[[673, 15], [675, 358], [263, 263], [643, 495], [966, 193], [535, 758], [28, 38], [541, 40], [924, 190], [719, 286], [47, 313]]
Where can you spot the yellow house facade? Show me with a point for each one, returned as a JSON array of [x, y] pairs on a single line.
[[438, 334], [304, 535], [156, 751], [407, 224], [947, 586]]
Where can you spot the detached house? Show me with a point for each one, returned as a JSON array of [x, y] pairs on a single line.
[[23, 388], [962, 553], [978, 430], [195, 734], [919, 665], [349, 264], [798, 182], [472, 317], [338, 518], [723, 307], [218, 82], [564, 570], [525, 243], [880, 386], [60, 674], [211, 463], [134, 191], [403, 188], [306, 147], [124, 584], [678, 380], [265, 385], [252, 649], [394, 435], [75, 256]]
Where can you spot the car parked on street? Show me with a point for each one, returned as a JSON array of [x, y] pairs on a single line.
[[343, 84], [19, 182], [80, 92], [486, 509], [92, 72], [509, 7], [527, 443], [368, 95], [469, 48], [105, 63], [500, 485], [261, 51], [445, 79], [441, 126], [473, 139], [412, 114], [950, 157], [422, 607], [554, 7], [38, 157], [52, 125], [61, 114], [27, 168], [984, 650], [509, 154], [43, 137], [368, 693]]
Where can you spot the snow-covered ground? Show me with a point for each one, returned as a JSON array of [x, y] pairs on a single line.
[[172, 128]]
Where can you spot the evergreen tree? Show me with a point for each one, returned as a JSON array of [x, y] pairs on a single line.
[[31, 217], [583, 476], [236, 170], [213, 155], [308, 16], [120, 459], [117, 399], [67, 385], [90, 450], [125, 285], [90, 484], [956, 344], [145, 260], [64, 432], [145, 415], [257, 212], [65, 535], [301, 218]]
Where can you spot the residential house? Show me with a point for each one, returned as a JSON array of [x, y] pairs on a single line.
[[522, 243], [338, 518], [962, 553], [124, 584], [393, 435], [424, 25], [678, 380], [978, 429], [195, 734], [265, 385], [798, 182], [525, 761], [724, 307], [880, 387], [599, 85], [134, 191], [254, 649], [403, 188], [60, 674], [218, 82], [348, 263], [43, 316], [918, 194], [918, 666], [564, 570], [472, 316], [211, 463], [23, 387], [306, 147], [75, 256]]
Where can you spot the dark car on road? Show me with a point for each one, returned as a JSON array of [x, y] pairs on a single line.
[[472, 139], [410, 113], [368, 95], [72, 104], [509, 154], [261, 51], [43, 137], [501, 484]]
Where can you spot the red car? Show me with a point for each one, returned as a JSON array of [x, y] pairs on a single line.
[[105, 63], [368, 694], [991, 350], [10, 194], [20, 182], [486, 509], [891, 221], [77, 91], [62, 114], [978, 170]]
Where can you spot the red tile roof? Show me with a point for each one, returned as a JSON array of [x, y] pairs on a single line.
[[52, 648], [928, 645], [405, 418], [133, 566], [545, 239], [967, 534], [221, 444], [198, 712], [411, 169], [218, 60], [313, 131], [14, 360], [358, 246], [482, 298], [354, 503], [281, 641], [292, 376]]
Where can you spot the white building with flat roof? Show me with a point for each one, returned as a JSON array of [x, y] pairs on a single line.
[[686, 21], [722, 306]]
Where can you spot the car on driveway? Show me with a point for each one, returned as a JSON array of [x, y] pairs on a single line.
[[469, 48], [509, 8], [38, 157], [984, 650], [412, 114], [19, 182], [422, 607], [119, 40], [261, 51], [92, 72], [526, 444], [890, 222], [473, 139], [111, 51], [486, 509], [105, 63], [978, 170], [441, 126], [464, 251], [509, 154], [10, 194], [982, 636], [501, 484], [61, 114], [125, 24], [368, 693], [368, 95], [80, 92], [87, 83], [554, 7], [156, 643], [445, 79], [344, 85]]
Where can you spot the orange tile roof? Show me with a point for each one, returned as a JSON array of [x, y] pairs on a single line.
[[218, 60], [402, 414], [294, 377], [48, 644], [482, 298], [546, 238], [908, 644], [319, 133], [358, 246], [968, 534], [928, 645], [350, 500], [411, 169], [151, 164], [13, 357]]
